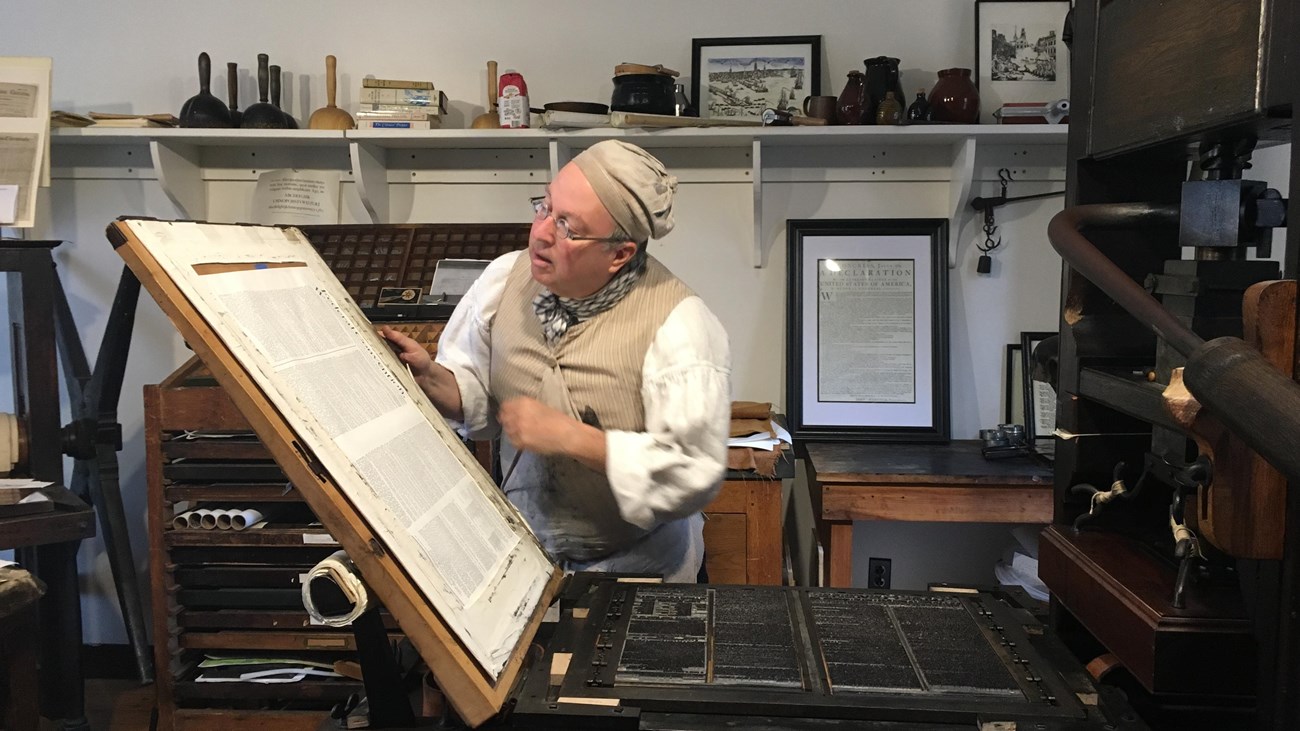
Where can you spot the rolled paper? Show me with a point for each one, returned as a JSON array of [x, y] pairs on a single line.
[[241, 519], [339, 569]]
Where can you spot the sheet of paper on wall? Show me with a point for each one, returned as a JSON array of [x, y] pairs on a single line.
[[290, 324], [20, 167], [24, 132], [297, 198], [18, 100], [453, 277], [8, 204]]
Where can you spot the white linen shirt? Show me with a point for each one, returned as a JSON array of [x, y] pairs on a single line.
[[669, 471]]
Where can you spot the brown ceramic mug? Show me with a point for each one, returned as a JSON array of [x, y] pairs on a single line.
[[821, 107]]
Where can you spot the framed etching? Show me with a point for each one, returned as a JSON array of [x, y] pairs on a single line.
[[1019, 53], [867, 330], [740, 77]]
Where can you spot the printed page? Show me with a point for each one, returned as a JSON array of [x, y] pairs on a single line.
[[20, 168], [866, 331], [343, 384], [296, 197], [18, 100]]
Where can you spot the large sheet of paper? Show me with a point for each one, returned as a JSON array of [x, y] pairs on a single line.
[[24, 135], [288, 321], [866, 321]]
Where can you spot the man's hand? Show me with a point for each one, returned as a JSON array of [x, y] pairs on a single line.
[[438, 383], [531, 425], [408, 351]]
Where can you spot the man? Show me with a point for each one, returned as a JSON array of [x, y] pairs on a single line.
[[612, 378]]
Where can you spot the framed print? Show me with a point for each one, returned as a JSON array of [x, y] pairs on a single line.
[[867, 330], [1039, 396], [1013, 409], [1019, 54], [740, 77]]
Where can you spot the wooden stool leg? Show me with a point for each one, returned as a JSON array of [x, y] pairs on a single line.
[[18, 650]]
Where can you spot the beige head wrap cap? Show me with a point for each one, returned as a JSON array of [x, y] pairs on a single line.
[[633, 186]]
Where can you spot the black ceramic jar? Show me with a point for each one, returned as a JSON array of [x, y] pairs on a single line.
[[643, 94]]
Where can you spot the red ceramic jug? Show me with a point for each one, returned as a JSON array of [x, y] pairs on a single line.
[[954, 98]]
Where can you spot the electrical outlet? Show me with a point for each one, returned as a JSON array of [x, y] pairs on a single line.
[[878, 573]]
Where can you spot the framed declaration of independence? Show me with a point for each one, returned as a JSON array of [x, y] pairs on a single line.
[[867, 330]]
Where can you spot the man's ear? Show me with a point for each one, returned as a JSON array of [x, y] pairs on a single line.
[[622, 255]]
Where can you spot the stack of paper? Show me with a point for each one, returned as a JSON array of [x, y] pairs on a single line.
[[765, 440], [261, 670]]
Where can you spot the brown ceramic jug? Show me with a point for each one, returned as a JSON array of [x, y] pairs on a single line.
[[954, 98]]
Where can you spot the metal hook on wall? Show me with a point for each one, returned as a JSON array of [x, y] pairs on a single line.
[[987, 206]]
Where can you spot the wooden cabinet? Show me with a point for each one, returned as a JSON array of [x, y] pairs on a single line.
[[742, 534], [228, 591]]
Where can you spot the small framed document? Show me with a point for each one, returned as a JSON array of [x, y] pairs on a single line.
[[867, 330], [1038, 391]]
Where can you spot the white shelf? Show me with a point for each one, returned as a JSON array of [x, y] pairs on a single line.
[[197, 137], [178, 155], [532, 138]]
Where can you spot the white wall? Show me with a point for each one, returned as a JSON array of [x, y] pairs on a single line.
[[139, 56]]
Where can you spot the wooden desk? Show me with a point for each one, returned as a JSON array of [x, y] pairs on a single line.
[[917, 482]]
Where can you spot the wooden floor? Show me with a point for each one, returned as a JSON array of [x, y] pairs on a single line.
[[115, 705]]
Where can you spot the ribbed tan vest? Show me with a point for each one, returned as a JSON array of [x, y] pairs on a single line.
[[593, 370]]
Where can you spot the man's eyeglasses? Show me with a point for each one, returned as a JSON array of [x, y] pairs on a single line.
[[542, 209]]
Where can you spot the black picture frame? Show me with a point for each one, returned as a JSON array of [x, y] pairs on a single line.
[[808, 49], [1028, 341], [1013, 389], [877, 261], [1035, 18]]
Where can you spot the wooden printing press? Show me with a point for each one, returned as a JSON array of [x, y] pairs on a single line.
[[1170, 561], [1175, 551]]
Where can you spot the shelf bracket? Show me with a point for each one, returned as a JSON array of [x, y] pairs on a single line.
[[181, 177], [370, 172], [756, 173], [560, 154], [959, 185]]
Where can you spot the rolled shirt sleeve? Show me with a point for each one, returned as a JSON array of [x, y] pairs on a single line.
[[465, 347], [675, 467]]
